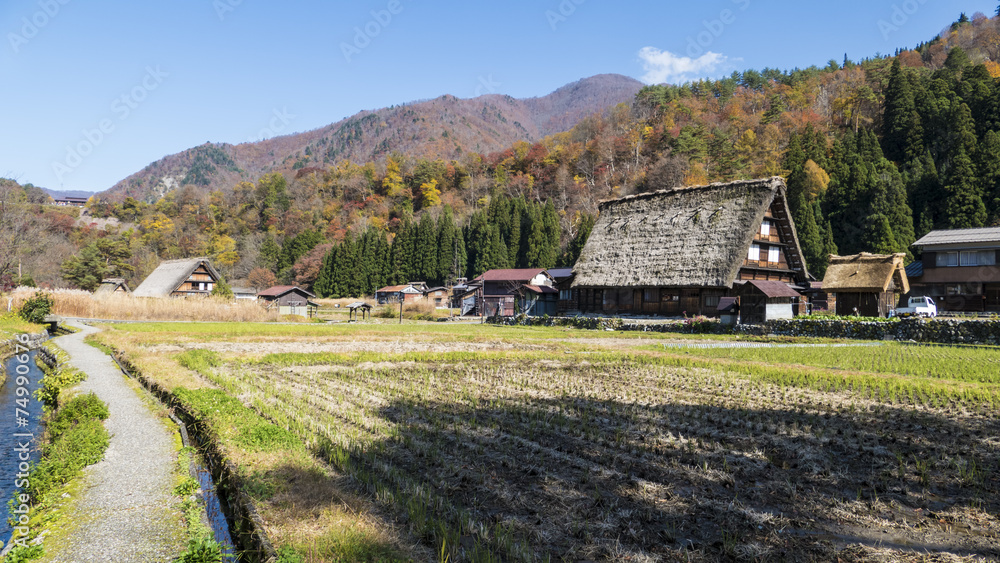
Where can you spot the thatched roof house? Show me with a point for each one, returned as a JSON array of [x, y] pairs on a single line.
[[189, 277], [680, 250], [866, 284], [111, 286]]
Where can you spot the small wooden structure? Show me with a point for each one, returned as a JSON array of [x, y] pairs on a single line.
[[359, 307], [866, 284], [762, 301], [290, 300], [110, 286], [395, 293]]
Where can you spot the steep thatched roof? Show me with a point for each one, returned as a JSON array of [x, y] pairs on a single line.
[[688, 237], [111, 285], [169, 275], [866, 273]]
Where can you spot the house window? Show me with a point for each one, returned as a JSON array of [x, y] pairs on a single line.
[[201, 286], [773, 254], [946, 259], [754, 253], [565, 294], [978, 258], [665, 297], [711, 300], [765, 228]]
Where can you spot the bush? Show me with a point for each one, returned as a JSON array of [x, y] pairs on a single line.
[[80, 409], [77, 439], [37, 307], [202, 550]]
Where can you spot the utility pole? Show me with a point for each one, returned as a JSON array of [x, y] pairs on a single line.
[[402, 297]]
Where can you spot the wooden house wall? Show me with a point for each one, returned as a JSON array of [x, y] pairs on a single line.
[[191, 285], [868, 304]]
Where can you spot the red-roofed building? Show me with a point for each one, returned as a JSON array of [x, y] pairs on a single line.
[[510, 292], [290, 300]]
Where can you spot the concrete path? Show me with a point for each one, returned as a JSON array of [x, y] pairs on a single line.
[[127, 511]]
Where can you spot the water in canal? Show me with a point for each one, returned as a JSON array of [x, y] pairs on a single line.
[[20, 426]]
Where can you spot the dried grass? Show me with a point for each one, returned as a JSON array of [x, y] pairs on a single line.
[[82, 304]]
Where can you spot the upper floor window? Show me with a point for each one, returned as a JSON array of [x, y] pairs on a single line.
[[966, 258], [978, 258], [945, 259], [754, 253], [773, 254], [765, 228]]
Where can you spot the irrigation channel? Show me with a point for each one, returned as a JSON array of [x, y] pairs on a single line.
[[206, 468], [21, 422], [20, 425]]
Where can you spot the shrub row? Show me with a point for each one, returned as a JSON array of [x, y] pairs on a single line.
[[941, 331]]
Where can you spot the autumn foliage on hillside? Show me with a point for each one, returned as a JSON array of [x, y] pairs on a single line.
[[875, 154]]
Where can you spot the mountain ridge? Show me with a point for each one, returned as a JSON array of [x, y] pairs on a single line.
[[441, 128]]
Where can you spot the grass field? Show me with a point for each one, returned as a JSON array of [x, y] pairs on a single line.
[[476, 443]]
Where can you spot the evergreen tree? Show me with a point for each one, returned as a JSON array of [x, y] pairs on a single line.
[[575, 247], [447, 245], [270, 253], [553, 235], [86, 269], [222, 289], [401, 255], [964, 208], [878, 237], [426, 251], [989, 172], [899, 111], [324, 281]]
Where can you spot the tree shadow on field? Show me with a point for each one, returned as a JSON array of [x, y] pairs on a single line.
[[578, 479]]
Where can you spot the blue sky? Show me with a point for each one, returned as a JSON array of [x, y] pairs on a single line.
[[94, 91]]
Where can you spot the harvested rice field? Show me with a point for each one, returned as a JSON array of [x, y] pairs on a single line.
[[480, 443]]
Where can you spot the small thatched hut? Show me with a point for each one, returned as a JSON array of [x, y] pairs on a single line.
[[679, 251], [111, 286], [866, 284]]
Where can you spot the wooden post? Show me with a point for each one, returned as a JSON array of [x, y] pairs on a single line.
[[402, 298]]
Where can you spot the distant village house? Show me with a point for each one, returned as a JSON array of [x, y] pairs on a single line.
[[958, 268], [112, 286], [529, 291], [289, 300], [192, 277]]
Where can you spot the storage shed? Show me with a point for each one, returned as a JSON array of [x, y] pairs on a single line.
[[866, 284]]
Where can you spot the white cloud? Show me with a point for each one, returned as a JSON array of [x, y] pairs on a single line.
[[664, 66]]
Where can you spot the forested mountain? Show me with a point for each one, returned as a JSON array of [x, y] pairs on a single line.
[[443, 128], [875, 153]]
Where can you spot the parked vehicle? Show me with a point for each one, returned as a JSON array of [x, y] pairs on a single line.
[[918, 307]]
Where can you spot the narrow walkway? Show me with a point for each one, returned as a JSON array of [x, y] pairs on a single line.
[[127, 512]]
